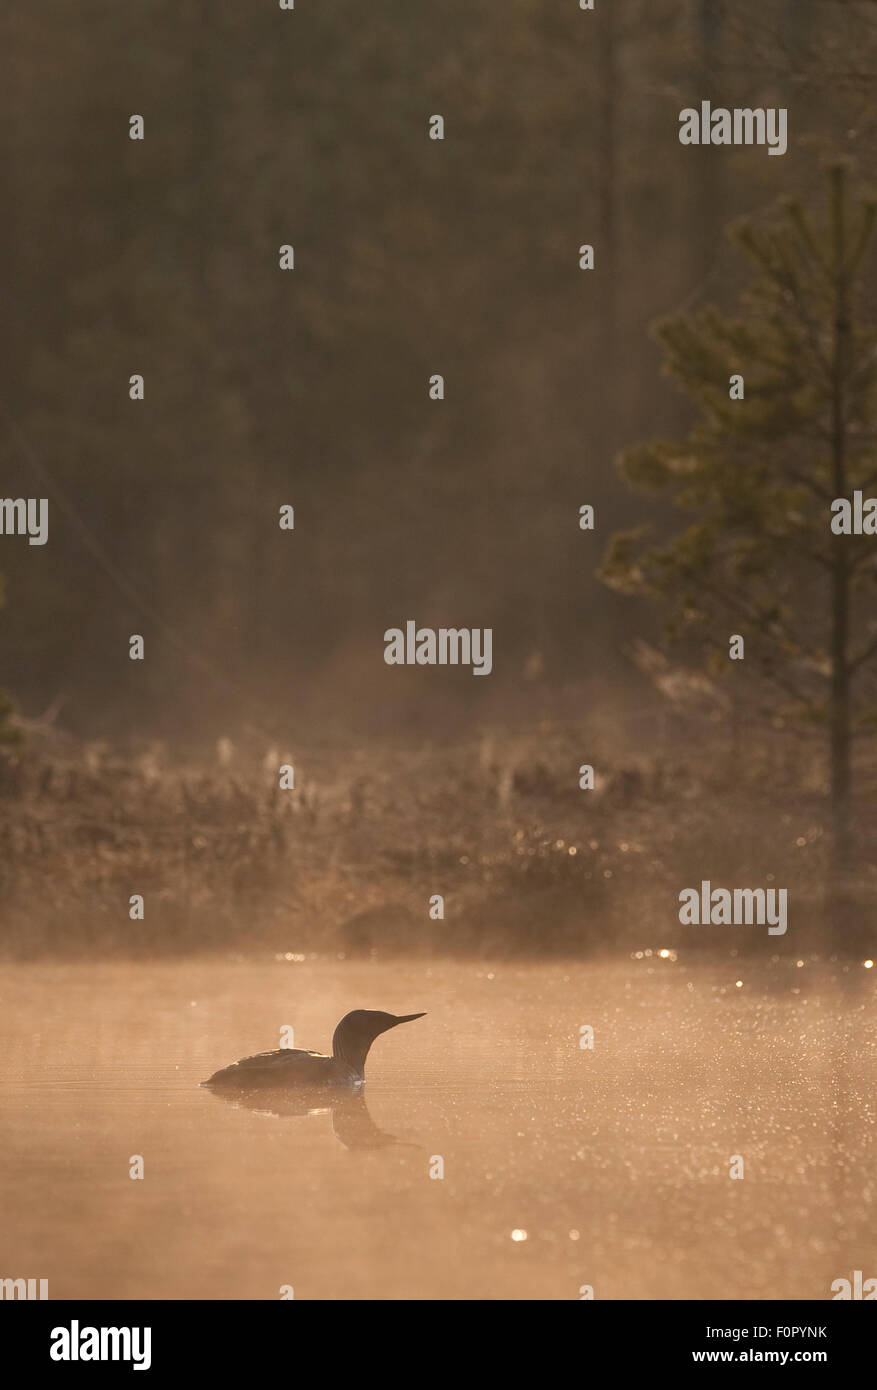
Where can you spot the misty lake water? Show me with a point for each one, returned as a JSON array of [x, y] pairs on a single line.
[[563, 1166]]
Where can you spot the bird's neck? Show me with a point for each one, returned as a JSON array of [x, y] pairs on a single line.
[[351, 1054]]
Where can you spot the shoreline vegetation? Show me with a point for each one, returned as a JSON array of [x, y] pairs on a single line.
[[348, 862]]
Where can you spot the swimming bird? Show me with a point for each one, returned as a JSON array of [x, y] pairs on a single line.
[[292, 1066]]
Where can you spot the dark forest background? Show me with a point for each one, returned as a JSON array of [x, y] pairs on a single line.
[[310, 387]]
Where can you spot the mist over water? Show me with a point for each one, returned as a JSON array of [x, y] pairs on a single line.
[[611, 1165]]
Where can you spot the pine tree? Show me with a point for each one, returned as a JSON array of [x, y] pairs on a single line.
[[760, 475]]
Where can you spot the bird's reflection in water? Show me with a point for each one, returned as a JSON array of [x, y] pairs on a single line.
[[351, 1121]]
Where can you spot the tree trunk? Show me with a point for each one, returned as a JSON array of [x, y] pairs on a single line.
[[840, 584], [708, 185], [608, 203]]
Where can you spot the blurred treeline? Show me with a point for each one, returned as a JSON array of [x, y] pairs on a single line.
[[412, 257]]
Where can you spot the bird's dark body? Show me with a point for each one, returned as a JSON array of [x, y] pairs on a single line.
[[290, 1066], [293, 1067]]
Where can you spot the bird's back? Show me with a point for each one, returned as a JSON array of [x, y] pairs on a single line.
[[289, 1066]]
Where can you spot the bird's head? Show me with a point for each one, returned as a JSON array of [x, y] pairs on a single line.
[[357, 1031]]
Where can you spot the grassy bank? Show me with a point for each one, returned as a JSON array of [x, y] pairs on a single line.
[[347, 862]]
